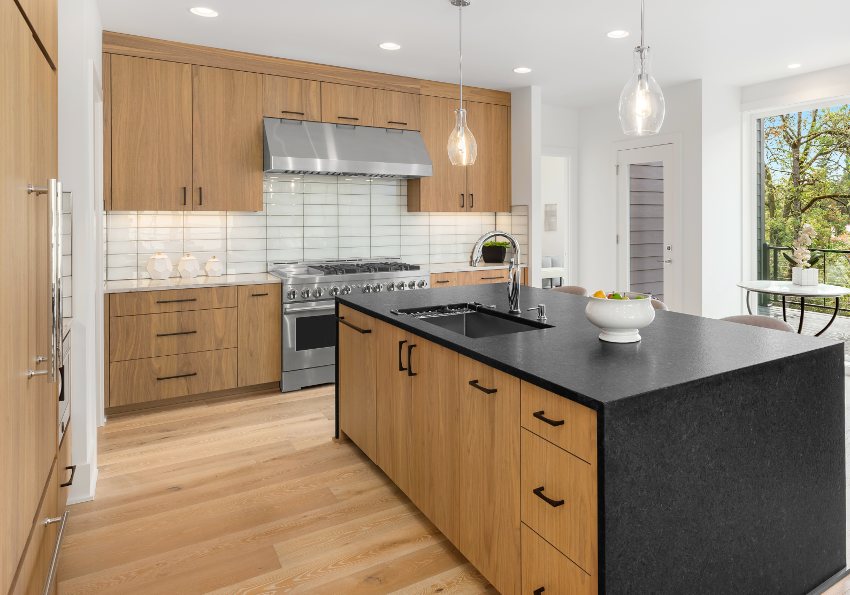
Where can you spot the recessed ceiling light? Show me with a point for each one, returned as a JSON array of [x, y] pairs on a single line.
[[617, 34], [389, 45], [203, 11], [522, 70], [794, 65]]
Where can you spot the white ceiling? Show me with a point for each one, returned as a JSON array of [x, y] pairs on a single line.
[[731, 41]]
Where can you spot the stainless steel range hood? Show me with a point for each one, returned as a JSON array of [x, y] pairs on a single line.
[[294, 146]]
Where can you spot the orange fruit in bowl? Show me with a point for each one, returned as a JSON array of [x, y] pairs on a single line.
[[600, 294]]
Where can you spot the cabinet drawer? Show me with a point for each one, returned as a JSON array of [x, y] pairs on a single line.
[[143, 380], [560, 421], [35, 563], [443, 279], [65, 469], [558, 499], [152, 335], [171, 300], [546, 570], [483, 277]]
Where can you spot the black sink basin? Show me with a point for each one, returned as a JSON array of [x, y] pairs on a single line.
[[473, 321]]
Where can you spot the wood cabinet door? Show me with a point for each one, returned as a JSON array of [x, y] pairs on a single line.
[[393, 403], [151, 134], [488, 181], [259, 328], [394, 109], [444, 280], [44, 18], [347, 104], [356, 378], [489, 499], [482, 277], [293, 99], [227, 145], [435, 465], [445, 190]]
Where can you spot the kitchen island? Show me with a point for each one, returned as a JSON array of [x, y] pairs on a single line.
[[708, 458]]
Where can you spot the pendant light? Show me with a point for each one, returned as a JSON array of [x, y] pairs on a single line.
[[641, 102], [462, 147]]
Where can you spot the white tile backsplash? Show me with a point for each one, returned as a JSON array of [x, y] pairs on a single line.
[[314, 217]]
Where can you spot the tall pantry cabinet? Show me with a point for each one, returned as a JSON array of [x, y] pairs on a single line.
[[30, 506]]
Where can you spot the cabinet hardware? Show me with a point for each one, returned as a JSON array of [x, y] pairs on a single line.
[[443, 281], [288, 111], [174, 334], [461, 200], [492, 278], [539, 591], [51, 573], [40, 359], [259, 294], [401, 367], [471, 200], [180, 301], [36, 189], [394, 122], [62, 385], [31, 373], [353, 119], [483, 389], [552, 422], [410, 371], [553, 503], [185, 189], [362, 331], [73, 470], [177, 376], [200, 196]]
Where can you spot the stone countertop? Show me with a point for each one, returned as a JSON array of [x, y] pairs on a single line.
[[570, 360], [458, 268], [180, 283]]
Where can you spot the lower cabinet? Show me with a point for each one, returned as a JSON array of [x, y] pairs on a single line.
[[34, 567], [357, 377], [259, 334], [547, 571]]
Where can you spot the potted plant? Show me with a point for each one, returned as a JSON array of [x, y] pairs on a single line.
[[801, 258], [494, 251]]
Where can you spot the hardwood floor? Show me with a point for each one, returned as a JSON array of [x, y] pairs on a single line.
[[250, 495]]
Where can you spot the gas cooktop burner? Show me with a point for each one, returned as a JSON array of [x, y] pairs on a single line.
[[354, 268]]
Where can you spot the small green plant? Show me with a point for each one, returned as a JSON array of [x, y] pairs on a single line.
[[497, 244]]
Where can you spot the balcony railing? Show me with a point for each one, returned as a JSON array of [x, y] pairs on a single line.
[[833, 268]]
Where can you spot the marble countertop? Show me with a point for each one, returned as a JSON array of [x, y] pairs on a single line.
[[180, 283]]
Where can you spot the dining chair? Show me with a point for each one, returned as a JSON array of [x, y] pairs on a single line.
[[573, 289], [658, 304], [761, 321]]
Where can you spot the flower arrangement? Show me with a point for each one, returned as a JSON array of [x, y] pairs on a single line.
[[801, 256]]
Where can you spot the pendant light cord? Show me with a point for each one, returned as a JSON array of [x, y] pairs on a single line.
[[642, 10], [460, 49]]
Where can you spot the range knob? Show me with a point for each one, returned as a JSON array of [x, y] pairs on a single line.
[[346, 290], [400, 285], [377, 287], [291, 294], [305, 293], [334, 291], [318, 292], [390, 287], [367, 289], [411, 284], [421, 284]]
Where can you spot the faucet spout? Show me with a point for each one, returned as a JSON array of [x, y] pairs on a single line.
[[513, 269]]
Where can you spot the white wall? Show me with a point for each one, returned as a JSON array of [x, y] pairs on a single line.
[[526, 117], [560, 134], [802, 88], [599, 134], [80, 131]]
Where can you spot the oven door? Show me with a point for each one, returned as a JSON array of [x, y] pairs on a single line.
[[309, 335]]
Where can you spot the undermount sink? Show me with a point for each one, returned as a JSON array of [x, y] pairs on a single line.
[[472, 321]]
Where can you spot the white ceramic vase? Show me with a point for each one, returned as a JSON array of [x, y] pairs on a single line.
[[620, 320], [804, 276], [189, 267], [159, 266], [214, 267]]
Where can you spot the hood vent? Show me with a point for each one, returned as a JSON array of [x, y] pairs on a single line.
[[299, 147]]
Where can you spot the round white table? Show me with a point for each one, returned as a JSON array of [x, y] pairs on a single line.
[[788, 289]]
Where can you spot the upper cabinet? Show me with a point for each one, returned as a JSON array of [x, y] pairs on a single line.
[[347, 104], [293, 99], [227, 131], [394, 109], [151, 135], [44, 20], [483, 186]]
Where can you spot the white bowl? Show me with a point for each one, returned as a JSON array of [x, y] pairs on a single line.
[[620, 320]]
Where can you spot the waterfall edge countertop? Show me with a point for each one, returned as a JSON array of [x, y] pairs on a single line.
[[570, 360]]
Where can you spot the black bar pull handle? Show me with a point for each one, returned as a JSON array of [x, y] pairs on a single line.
[[180, 301], [177, 376], [471, 200], [443, 281], [553, 503], [185, 189], [401, 367], [362, 331], [176, 333], [200, 196], [552, 422], [461, 200], [410, 371], [483, 389], [259, 294], [352, 118], [73, 470], [539, 591], [289, 111], [394, 122]]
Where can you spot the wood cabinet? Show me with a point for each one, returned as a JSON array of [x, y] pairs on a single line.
[[151, 134], [357, 379], [482, 277], [35, 564], [290, 98], [394, 109], [483, 186], [227, 147], [44, 20], [259, 334], [564, 423], [347, 104], [444, 280], [172, 300], [546, 570]]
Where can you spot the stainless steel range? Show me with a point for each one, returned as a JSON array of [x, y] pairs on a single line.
[[309, 321]]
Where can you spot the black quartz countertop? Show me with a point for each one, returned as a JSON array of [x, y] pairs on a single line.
[[570, 360]]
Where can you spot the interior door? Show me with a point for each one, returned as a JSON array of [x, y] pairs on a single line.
[[648, 222]]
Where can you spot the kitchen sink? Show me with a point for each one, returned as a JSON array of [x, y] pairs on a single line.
[[473, 320]]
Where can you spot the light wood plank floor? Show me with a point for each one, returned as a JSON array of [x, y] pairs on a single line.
[[250, 495]]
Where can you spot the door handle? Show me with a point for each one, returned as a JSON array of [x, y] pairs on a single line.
[[553, 503], [394, 122], [666, 260], [362, 331], [483, 389], [471, 200], [177, 376], [174, 334], [259, 294], [401, 367], [185, 190], [200, 196], [352, 118], [552, 422], [461, 200], [286, 111], [539, 591], [73, 470], [410, 371]]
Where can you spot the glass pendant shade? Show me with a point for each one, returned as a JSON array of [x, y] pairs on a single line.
[[641, 102], [462, 147]]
